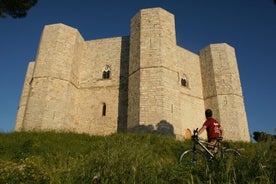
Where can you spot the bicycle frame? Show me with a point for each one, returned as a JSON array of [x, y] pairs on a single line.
[[201, 144]]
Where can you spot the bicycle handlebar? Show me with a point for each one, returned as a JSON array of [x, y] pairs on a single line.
[[195, 135]]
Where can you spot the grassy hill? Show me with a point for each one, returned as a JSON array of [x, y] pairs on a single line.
[[49, 157]]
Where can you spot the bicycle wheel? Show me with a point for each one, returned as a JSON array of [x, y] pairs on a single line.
[[231, 154], [194, 160]]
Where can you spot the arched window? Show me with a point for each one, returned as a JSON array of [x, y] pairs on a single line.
[[188, 134], [183, 80], [104, 110], [106, 72]]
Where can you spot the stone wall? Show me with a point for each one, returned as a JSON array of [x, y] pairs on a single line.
[[142, 80]]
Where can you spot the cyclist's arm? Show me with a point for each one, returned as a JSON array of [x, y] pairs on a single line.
[[201, 129]]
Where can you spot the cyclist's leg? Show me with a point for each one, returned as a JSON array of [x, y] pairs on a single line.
[[213, 146]]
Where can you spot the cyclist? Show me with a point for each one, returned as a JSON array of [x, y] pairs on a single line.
[[212, 126]]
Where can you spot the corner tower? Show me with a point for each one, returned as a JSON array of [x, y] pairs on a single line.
[[152, 49], [50, 81], [222, 90]]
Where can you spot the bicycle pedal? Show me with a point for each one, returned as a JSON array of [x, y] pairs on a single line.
[[211, 159]]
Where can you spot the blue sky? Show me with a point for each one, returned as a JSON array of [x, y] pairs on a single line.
[[247, 25]]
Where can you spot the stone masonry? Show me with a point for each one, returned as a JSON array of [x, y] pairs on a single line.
[[143, 81]]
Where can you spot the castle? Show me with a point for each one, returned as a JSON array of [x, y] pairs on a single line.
[[143, 80]]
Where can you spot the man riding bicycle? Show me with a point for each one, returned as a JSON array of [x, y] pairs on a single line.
[[213, 128]]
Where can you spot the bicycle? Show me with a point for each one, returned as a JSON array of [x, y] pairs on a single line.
[[198, 159]]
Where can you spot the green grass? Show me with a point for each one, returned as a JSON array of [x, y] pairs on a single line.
[[49, 157]]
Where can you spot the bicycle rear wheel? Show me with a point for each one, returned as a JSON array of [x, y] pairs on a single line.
[[194, 160]]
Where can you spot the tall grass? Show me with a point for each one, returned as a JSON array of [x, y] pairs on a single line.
[[49, 157]]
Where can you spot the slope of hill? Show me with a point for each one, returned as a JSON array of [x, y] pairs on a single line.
[[49, 157]]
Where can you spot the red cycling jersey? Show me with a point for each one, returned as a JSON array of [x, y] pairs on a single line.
[[213, 129]]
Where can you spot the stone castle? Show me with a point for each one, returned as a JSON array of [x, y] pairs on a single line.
[[143, 80]]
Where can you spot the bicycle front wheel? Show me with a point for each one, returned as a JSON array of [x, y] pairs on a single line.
[[194, 160], [231, 154]]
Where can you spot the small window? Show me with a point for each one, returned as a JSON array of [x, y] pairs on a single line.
[[183, 82], [106, 72], [104, 110]]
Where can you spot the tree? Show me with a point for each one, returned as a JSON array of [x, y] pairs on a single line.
[[15, 8], [263, 137]]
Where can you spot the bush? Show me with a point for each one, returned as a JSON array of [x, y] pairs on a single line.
[[24, 171]]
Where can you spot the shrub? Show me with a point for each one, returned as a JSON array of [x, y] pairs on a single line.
[[24, 171]]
